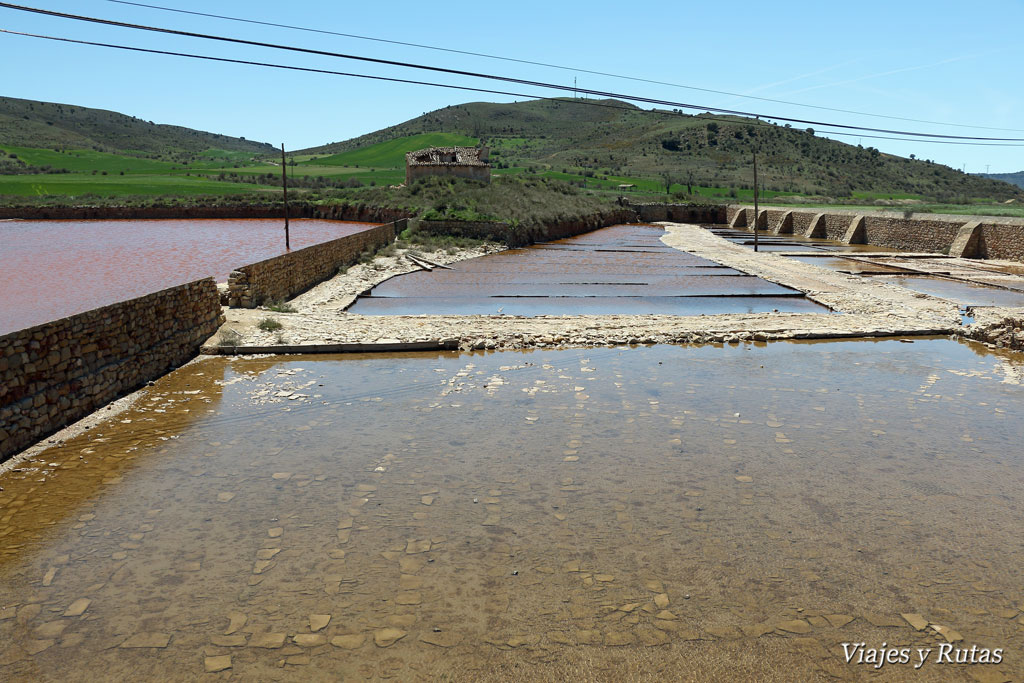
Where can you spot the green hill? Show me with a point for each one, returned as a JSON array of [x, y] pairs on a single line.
[[1014, 178], [47, 125], [616, 142]]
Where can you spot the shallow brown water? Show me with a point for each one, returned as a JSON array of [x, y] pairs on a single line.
[[656, 513], [621, 269], [53, 269]]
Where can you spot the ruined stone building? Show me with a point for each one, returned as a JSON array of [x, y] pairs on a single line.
[[459, 162]]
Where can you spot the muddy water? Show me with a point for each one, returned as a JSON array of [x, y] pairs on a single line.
[[53, 269], [621, 269], [648, 513]]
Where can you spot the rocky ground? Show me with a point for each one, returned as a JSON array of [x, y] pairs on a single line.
[[1000, 328]]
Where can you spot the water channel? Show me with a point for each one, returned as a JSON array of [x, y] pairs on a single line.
[[643, 513]]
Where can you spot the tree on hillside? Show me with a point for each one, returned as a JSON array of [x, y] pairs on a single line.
[[669, 180]]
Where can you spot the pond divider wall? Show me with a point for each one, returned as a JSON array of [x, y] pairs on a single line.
[[282, 277], [965, 236], [56, 373]]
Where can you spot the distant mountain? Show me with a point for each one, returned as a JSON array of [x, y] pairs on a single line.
[[26, 123], [1014, 178], [618, 139]]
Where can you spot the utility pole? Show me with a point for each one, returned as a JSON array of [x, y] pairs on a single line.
[[756, 212], [284, 185]]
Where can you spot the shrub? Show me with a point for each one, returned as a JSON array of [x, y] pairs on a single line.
[[280, 307], [229, 338], [270, 325]]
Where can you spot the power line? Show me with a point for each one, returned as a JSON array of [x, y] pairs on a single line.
[[506, 79], [552, 66], [582, 102], [588, 103]]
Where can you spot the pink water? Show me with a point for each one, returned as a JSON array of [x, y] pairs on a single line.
[[53, 269]]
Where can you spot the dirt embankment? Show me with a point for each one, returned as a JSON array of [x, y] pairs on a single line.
[[342, 212]]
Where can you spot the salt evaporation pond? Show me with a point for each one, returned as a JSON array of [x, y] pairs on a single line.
[[53, 269], [622, 269], [711, 513]]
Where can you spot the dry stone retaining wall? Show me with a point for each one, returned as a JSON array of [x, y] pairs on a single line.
[[58, 372], [285, 276], [1001, 241], [996, 238]]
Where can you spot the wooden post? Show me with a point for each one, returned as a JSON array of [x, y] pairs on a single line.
[[756, 212], [284, 185]]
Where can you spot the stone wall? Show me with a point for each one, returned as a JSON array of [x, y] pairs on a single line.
[[282, 277], [1001, 241], [58, 372], [918, 234], [988, 237]]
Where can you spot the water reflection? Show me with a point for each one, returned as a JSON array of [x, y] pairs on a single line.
[[731, 511], [623, 269]]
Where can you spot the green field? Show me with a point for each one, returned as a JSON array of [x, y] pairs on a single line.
[[87, 160], [391, 154], [76, 184]]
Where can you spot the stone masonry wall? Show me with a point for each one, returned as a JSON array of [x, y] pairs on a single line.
[[58, 372], [1001, 238], [1002, 241], [285, 276], [910, 235], [802, 222]]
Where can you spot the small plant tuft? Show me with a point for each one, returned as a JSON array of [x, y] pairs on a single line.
[[229, 338], [278, 306], [270, 325]]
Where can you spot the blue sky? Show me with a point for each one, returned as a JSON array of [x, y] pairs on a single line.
[[949, 62]]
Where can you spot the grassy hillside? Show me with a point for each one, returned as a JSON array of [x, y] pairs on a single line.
[[1013, 178], [521, 201], [48, 151], [48, 125], [616, 141]]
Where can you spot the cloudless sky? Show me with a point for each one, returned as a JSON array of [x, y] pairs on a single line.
[[951, 62]]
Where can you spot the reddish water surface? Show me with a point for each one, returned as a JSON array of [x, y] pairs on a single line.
[[53, 269], [620, 269]]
